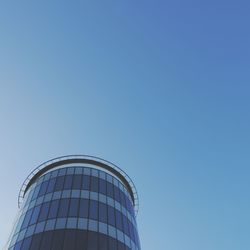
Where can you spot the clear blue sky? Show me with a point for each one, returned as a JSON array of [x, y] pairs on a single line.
[[161, 88]]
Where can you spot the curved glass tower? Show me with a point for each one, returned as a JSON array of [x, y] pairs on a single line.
[[76, 203]]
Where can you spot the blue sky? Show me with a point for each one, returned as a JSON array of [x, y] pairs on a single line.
[[160, 88]]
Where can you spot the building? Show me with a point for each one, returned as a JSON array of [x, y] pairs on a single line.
[[76, 203]]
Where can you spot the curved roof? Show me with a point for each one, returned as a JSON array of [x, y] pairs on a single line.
[[87, 159]]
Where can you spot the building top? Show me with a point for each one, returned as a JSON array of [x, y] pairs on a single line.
[[82, 159]]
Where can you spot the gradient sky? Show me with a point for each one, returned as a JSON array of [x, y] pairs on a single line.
[[161, 88]]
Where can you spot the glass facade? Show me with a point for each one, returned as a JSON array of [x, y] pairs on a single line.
[[76, 208]]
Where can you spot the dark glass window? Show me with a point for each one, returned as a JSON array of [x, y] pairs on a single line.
[[46, 240], [51, 185], [73, 208], [84, 208], [35, 215], [111, 216], [92, 240], [117, 193], [44, 212], [77, 182], [69, 240], [93, 210], [81, 239], [122, 195], [112, 244], [58, 238], [110, 191], [59, 183], [103, 242], [36, 239], [68, 181], [53, 209], [125, 225], [43, 188], [94, 184], [118, 220], [102, 212], [27, 218], [127, 202], [102, 186], [85, 182], [63, 208], [120, 245]]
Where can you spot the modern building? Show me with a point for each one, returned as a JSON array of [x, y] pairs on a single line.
[[76, 203]]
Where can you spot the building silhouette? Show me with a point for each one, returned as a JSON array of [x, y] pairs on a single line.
[[76, 203]]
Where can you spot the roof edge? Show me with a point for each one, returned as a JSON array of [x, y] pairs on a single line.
[[88, 159]]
